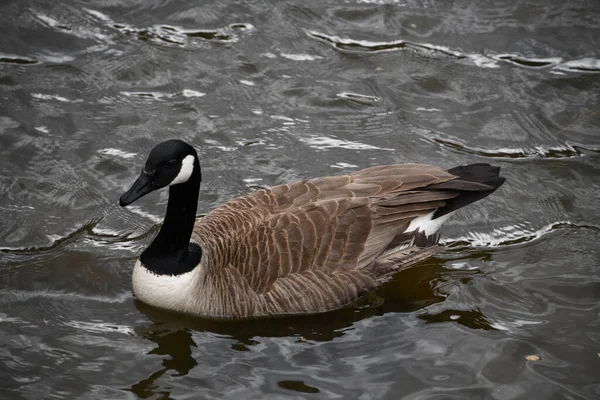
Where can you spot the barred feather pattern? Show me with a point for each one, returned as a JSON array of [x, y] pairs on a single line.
[[313, 245]]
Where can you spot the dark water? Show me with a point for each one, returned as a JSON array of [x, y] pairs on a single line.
[[276, 92]]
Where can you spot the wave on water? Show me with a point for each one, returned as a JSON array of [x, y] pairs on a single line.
[[565, 150], [487, 60], [12, 296], [510, 235], [175, 35], [100, 327]]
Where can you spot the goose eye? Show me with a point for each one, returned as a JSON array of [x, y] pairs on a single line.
[[171, 163]]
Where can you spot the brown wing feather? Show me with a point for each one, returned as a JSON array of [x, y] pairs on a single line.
[[314, 245]]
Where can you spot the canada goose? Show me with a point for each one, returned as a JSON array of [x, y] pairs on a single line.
[[298, 248]]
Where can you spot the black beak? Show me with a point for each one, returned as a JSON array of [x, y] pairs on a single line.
[[141, 187]]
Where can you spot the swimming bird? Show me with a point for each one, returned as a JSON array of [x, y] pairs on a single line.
[[297, 248]]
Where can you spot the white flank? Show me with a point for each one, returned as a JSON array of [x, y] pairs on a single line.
[[427, 225], [166, 291], [187, 167]]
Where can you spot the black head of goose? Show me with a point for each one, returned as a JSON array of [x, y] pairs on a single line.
[[299, 248]]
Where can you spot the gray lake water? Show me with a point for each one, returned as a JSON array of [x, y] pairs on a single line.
[[287, 90]]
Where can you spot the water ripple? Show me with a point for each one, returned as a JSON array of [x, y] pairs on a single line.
[[325, 142], [276, 94], [25, 295], [512, 235], [528, 62], [73, 28], [541, 151], [14, 59], [488, 60], [174, 35], [352, 45], [100, 327]]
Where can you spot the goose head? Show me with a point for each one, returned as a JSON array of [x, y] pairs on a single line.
[[170, 163], [174, 164]]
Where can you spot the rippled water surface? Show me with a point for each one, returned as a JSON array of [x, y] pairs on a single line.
[[280, 91]]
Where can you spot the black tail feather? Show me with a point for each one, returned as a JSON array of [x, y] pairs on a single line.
[[474, 182]]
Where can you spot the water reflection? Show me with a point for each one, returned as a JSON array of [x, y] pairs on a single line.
[[298, 386], [409, 291], [286, 92], [177, 345]]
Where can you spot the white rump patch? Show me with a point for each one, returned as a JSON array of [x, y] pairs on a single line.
[[187, 167], [426, 224]]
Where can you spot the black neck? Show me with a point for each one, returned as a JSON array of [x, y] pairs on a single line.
[[171, 252]]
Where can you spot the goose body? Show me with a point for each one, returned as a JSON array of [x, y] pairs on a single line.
[[299, 248]]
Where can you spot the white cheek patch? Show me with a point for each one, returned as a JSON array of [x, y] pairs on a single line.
[[187, 167]]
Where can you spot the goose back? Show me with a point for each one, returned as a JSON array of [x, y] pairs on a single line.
[[315, 245]]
